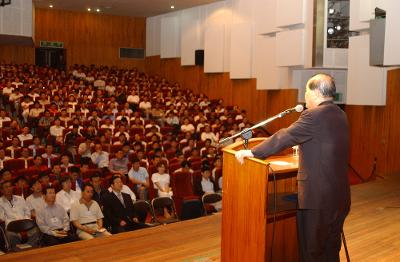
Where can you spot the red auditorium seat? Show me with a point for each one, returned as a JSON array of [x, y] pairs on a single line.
[[181, 184], [14, 164]]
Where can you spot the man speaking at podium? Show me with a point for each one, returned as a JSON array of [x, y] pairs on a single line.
[[323, 189]]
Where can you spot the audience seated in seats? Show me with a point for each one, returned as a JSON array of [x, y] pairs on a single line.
[[122, 130], [99, 157], [3, 116], [56, 172], [36, 146], [25, 135], [125, 189], [56, 131], [185, 167], [53, 220], [98, 190], [118, 208], [14, 208], [66, 165], [87, 217], [208, 134], [86, 97], [66, 196], [121, 140], [119, 164], [35, 201], [85, 148], [49, 155], [70, 140], [25, 155], [76, 179], [45, 123], [187, 126], [3, 158], [140, 179], [15, 145], [161, 181], [21, 187], [44, 180]]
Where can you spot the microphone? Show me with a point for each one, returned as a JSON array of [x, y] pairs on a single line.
[[299, 108], [246, 133]]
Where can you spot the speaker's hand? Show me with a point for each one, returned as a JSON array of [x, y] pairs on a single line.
[[242, 154]]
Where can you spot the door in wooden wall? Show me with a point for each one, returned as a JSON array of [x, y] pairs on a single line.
[[52, 57]]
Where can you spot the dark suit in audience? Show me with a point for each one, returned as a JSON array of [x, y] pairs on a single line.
[[115, 211]]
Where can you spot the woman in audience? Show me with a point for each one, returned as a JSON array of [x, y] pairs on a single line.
[[161, 181], [208, 134]]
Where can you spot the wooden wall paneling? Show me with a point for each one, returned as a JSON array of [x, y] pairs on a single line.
[[92, 38], [374, 132], [17, 54]]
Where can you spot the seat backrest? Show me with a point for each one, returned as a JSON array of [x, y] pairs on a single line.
[[191, 208], [181, 184], [23, 225]]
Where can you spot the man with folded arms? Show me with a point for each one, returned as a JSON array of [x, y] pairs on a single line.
[[87, 217], [53, 221]]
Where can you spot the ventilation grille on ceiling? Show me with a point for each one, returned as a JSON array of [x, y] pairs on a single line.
[[134, 53]]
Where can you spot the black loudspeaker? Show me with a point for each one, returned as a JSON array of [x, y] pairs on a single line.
[[199, 57]]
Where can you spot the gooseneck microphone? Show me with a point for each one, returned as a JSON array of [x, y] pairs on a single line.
[[299, 108], [246, 133]]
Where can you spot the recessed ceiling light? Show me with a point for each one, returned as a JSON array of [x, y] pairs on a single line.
[[97, 10], [172, 6], [331, 31], [51, 6], [89, 9], [331, 11], [338, 27]]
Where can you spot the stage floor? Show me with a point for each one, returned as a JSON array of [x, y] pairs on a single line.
[[192, 240], [372, 228], [372, 232]]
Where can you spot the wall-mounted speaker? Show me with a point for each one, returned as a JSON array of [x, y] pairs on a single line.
[[199, 57]]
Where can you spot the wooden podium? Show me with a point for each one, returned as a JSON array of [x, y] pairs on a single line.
[[248, 207]]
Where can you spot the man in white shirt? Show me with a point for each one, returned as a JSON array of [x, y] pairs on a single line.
[[48, 156], [14, 208], [35, 201], [100, 158], [4, 117], [3, 158], [8, 89], [53, 221], [25, 135], [66, 197], [56, 130], [87, 217], [100, 83]]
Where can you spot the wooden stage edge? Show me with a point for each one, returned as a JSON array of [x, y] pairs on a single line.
[[372, 232]]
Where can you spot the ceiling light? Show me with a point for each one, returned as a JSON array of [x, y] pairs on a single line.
[[89, 9], [338, 27], [172, 6], [331, 11], [331, 30], [51, 6], [97, 10]]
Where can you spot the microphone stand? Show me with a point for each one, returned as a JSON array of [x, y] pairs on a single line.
[[247, 133]]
